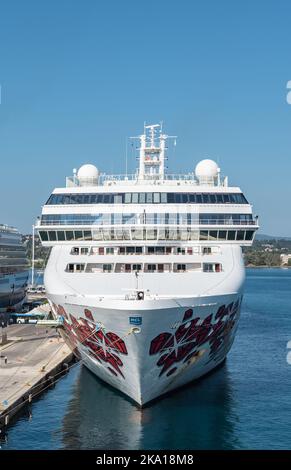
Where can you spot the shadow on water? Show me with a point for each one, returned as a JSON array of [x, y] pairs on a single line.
[[199, 416]]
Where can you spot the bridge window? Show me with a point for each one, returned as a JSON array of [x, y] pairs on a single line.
[[43, 236], [249, 235], [148, 198]]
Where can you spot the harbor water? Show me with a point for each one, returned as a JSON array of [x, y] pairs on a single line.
[[245, 404]]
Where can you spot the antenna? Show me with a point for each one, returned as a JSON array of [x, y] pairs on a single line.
[[126, 156], [152, 152]]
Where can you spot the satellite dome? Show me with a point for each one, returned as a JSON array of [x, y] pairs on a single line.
[[207, 171], [88, 175], [88, 171]]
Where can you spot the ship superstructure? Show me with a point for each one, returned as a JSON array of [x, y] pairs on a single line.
[[146, 270], [13, 268]]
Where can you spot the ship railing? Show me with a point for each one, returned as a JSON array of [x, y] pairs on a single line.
[[103, 178], [97, 223]]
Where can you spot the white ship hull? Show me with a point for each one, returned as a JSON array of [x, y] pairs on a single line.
[[175, 345]]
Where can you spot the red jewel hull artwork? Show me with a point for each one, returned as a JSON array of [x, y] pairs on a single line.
[[105, 347], [192, 336], [196, 345]]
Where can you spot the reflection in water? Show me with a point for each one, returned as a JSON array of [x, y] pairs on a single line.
[[199, 416]]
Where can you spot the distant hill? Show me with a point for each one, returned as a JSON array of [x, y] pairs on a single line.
[[262, 236]]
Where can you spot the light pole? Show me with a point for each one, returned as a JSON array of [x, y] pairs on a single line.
[[32, 256]]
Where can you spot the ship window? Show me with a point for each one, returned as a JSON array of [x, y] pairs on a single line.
[[52, 236], [107, 268], [87, 235], [151, 234], [149, 198], [222, 235], [213, 235], [136, 267], [78, 235], [128, 268], [142, 198], [171, 198], [156, 198], [80, 267], [69, 235], [180, 268], [44, 236], [163, 198], [203, 235], [240, 235], [70, 268], [97, 235], [208, 268], [61, 235], [134, 198], [231, 235], [151, 267], [249, 234], [117, 198], [194, 235], [137, 234]]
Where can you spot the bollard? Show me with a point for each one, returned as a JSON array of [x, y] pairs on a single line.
[[51, 379]]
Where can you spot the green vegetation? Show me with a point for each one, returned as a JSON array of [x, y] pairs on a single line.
[[41, 253], [267, 253]]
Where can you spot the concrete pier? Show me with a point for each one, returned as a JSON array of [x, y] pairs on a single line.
[[29, 362]]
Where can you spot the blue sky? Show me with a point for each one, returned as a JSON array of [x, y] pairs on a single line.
[[77, 77]]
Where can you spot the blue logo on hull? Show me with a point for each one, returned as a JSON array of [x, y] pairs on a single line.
[[135, 320]]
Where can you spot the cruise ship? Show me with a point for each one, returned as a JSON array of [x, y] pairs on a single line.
[[13, 269], [146, 270]]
